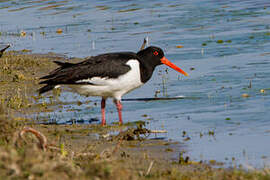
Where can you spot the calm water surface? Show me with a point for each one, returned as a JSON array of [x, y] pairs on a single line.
[[226, 45]]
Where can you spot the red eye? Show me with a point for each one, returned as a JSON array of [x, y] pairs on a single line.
[[155, 53]]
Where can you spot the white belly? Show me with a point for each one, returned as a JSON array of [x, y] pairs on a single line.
[[116, 87]]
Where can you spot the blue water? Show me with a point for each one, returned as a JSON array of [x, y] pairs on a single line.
[[222, 69]]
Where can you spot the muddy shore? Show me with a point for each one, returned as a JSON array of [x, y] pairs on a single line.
[[83, 151]]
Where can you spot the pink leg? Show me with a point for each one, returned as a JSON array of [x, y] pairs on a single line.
[[119, 109], [103, 104]]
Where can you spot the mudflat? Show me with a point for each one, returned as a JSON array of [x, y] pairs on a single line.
[[29, 150]]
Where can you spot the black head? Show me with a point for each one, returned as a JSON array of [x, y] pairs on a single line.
[[151, 55], [154, 56]]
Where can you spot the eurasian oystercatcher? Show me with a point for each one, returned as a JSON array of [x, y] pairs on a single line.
[[3, 50], [108, 75]]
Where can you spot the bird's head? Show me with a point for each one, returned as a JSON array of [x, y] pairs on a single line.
[[155, 56]]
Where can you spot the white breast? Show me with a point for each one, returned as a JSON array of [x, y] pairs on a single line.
[[112, 87]]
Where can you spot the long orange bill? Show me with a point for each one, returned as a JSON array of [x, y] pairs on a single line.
[[170, 64]]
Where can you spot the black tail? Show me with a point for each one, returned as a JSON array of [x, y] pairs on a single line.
[[46, 88], [63, 64], [49, 82]]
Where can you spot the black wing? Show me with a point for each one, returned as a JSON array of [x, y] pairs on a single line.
[[109, 65]]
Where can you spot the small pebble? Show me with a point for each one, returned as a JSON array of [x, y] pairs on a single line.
[[245, 95], [23, 33], [59, 31]]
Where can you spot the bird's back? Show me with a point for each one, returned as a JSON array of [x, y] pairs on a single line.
[[109, 65]]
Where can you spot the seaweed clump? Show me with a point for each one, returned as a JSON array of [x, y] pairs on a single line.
[[134, 133]]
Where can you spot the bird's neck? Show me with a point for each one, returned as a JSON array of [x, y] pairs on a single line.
[[146, 71], [147, 65]]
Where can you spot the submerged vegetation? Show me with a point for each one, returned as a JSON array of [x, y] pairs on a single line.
[[83, 151]]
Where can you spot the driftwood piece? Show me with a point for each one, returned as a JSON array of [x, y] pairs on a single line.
[[42, 139], [158, 131], [149, 168]]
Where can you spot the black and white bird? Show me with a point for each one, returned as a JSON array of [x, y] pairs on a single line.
[[108, 75], [3, 50]]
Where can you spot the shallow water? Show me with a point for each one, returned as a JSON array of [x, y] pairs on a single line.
[[226, 43]]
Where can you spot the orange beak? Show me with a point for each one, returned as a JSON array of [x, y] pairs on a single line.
[[170, 64]]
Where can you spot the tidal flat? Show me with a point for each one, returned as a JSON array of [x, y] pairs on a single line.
[[29, 150]]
